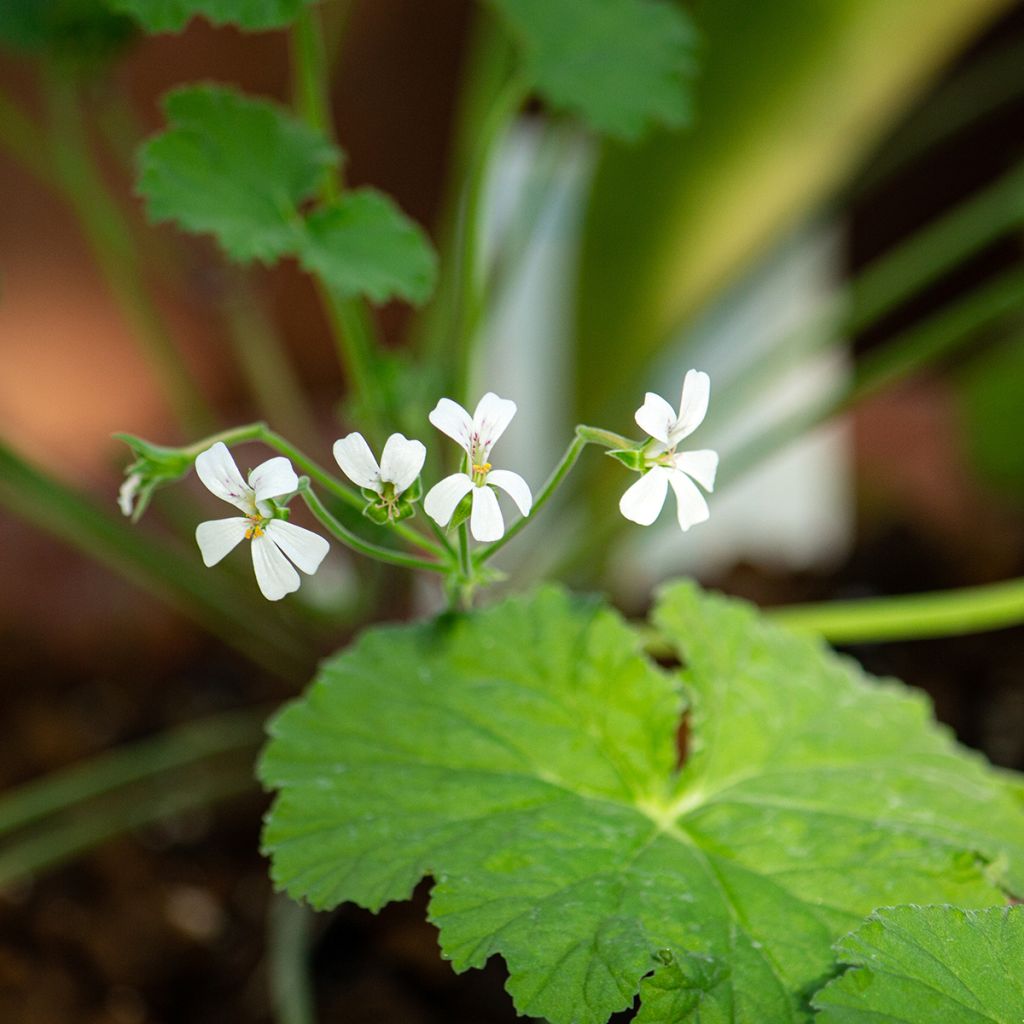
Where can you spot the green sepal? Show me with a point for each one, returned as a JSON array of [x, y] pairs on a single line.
[[377, 513], [402, 510], [631, 458], [368, 494], [414, 491], [155, 466], [462, 511]]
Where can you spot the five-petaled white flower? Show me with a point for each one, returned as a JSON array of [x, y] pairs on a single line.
[[477, 435], [272, 539], [663, 467], [400, 464]]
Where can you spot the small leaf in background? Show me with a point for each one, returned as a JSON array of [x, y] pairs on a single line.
[[930, 965], [174, 15], [81, 31], [234, 167], [621, 65], [524, 757], [362, 243], [991, 401]]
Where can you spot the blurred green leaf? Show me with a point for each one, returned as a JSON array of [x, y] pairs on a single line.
[[234, 167], [924, 965], [622, 65], [78, 31], [362, 243], [992, 402], [791, 96], [173, 15]]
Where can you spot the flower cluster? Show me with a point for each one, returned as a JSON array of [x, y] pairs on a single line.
[[391, 488]]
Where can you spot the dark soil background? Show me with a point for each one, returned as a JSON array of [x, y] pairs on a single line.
[[168, 924]]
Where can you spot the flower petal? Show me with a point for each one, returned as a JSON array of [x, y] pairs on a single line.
[[701, 465], [353, 454], [491, 417], [401, 461], [219, 536], [127, 493], [304, 547], [514, 486], [273, 478], [274, 573], [442, 498], [450, 418], [656, 417], [691, 508], [642, 501], [217, 469], [693, 405], [485, 522]]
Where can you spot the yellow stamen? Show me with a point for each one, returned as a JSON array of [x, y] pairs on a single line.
[[484, 467]]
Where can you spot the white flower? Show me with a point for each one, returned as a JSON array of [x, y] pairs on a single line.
[[665, 468], [477, 435], [128, 492], [400, 464], [272, 539]]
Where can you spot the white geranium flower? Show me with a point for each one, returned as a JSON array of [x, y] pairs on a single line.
[[400, 464], [272, 539], [664, 467], [477, 435]]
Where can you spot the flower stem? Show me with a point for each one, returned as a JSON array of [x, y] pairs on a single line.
[[351, 324], [356, 543], [584, 435]]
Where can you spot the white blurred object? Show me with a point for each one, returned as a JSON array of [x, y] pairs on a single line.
[[792, 512]]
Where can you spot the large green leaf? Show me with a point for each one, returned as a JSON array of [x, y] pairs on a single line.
[[930, 965], [622, 65], [173, 15], [234, 167], [525, 757], [791, 96], [363, 244]]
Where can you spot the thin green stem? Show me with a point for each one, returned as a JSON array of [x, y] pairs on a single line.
[[584, 435], [465, 559], [100, 775], [471, 292], [910, 617], [356, 543], [290, 929], [111, 239], [351, 324]]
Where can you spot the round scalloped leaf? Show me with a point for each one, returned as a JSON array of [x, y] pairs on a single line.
[[235, 167], [930, 965], [525, 758]]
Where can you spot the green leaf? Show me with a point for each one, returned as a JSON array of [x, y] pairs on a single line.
[[525, 757], [234, 167], [621, 65], [363, 244], [80, 31], [174, 15], [930, 965]]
